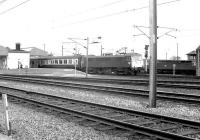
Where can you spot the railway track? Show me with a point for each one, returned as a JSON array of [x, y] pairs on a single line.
[[135, 124], [163, 95], [186, 84]]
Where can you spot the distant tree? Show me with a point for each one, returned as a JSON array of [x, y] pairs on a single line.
[[51, 54], [107, 54], [7, 48], [174, 58]]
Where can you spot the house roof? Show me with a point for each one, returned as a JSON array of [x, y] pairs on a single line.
[[38, 52], [191, 53], [35, 52], [3, 51], [18, 51], [198, 48]]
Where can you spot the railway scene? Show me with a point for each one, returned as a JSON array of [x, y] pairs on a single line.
[[99, 70]]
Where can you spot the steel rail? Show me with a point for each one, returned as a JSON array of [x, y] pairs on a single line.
[[118, 123], [188, 98], [161, 83]]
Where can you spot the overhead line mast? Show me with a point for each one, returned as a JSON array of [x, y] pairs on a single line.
[[153, 52]]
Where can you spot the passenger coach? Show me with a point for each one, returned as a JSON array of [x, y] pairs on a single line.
[[56, 62]]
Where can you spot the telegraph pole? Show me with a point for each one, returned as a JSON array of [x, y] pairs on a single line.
[[44, 47], [101, 50], [86, 47], [62, 49], [101, 44], [146, 56], [125, 48], [177, 49], [153, 52]]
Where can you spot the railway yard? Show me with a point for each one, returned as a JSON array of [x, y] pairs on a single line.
[[61, 104], [100, 70]]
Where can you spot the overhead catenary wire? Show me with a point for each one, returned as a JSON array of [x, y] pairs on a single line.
[[96, 8], [1, 2], [116, 13], [12, 8]]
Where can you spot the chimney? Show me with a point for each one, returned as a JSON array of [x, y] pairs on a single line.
[[18, 46]]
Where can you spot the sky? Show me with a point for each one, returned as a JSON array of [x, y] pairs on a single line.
[[46, 24]]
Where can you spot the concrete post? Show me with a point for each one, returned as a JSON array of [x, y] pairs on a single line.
[[153, 52], [198, 61]]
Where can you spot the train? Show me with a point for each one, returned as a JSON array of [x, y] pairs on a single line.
[[128, 64], [180, 67]]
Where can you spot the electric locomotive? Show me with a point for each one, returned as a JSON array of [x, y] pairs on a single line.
[[128, 64]]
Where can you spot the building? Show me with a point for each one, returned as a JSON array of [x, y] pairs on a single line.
[[194, 56], [18, 58], [191, 55], [35, 52], [14, 58], [198, 61], [3, 57]]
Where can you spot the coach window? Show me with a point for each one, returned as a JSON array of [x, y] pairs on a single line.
[[65, 61], [69, 61], [60, 61], [56, 61]]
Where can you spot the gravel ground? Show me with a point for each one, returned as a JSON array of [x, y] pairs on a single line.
[[176, 90], [32, 124], [163, 107], [26, 125], [71, 72]]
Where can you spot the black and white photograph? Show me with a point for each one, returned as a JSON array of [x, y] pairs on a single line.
[[99, 70]]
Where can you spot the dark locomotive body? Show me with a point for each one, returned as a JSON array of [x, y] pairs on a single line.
[[181, 67], [118, 64]]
